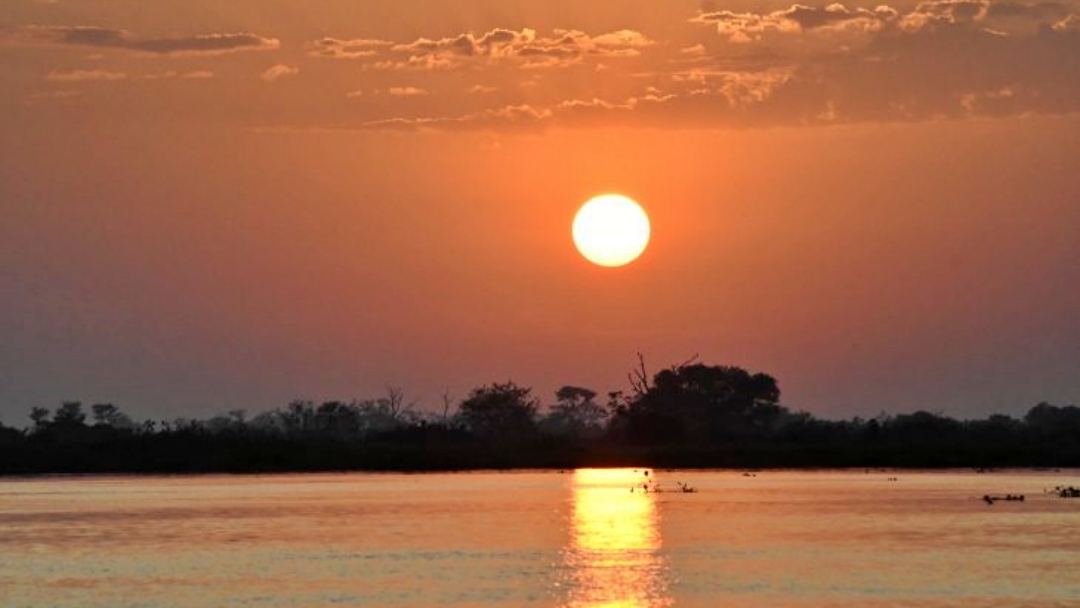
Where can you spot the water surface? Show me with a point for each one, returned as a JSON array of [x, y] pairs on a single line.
[[575, 539]]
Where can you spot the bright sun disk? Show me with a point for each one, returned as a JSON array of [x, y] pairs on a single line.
[[611, 230]]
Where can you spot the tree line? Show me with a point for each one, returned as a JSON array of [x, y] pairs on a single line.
[[688, 415]]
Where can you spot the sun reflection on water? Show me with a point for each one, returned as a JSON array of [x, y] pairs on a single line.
[[614, 550]]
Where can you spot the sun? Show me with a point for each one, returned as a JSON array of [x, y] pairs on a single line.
[[611, 230]]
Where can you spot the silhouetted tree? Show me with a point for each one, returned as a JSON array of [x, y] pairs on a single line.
[[576, 413], [502, 411], [696, 402], [997, 427], [233, 422], [9, 436], [264, 422], [924, 427], [1048, 419], [447, 406], [688, 415], [104, 413], [394, 403], [40, 417], [387, 413], [337, 418], [297, 416], [69, 414], [107, 414]]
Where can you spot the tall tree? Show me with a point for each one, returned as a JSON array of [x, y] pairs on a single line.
[[70, 414], [107, 414], [576, 413], [40, 417], [701, 403], [500, 411]]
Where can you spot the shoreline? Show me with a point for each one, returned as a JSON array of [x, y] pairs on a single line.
[[1020, 470]]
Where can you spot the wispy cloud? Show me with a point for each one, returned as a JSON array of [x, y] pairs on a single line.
[[524, 47], [113, 76], [278, 71], [109, 38], [407, 91], [85, 75], [525, 116], [40, 97], [1070, 23], [799, 65], [942, 59], [335, 48]]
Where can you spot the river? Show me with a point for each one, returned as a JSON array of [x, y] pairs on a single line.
[[573, 538]]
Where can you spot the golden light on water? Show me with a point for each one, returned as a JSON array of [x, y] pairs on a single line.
[[615, 542]]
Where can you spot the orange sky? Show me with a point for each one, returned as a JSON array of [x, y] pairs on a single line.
[[210, 205]]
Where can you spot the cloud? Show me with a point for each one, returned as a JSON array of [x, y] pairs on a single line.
[[835, 19], [1068, 24], [940, 13], [749, 27], [939, 60], [522, 115], [795, 66], [526, 116], [406, 91], [278, 71], [525, 47], [85, 75], [108, 38], [39, 97], [335, 48], [1037, 10], [743, 90], [109, 76]]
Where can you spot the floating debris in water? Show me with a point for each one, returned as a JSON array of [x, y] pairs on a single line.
[[1066, 492], [650, 485], [1008, 497]]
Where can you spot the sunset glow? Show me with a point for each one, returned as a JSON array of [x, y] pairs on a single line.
[[400, 278]]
